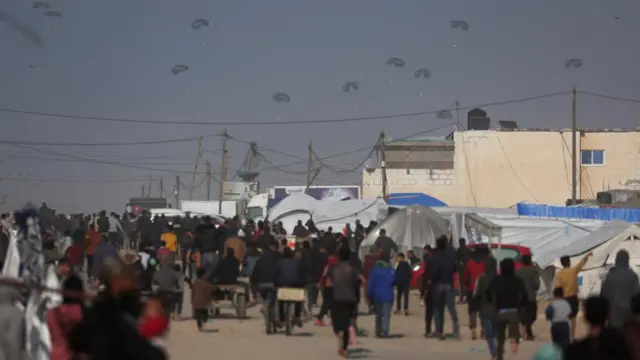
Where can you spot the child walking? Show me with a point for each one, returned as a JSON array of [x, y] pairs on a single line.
[[201, 297], [559, 313], [403, 282]]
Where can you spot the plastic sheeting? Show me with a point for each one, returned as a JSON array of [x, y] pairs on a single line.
[[604, 244], [412, 227], [628, 215], [326, 213], [407, 199], [545, 237]]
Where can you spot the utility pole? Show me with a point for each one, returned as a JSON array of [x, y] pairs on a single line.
[[223, 169], [143, 192], [176, 192], [309, 166], [208, 181], [457, 115], [574, 148], [161, 187], [149, 188], [195, 169], [383, 167]]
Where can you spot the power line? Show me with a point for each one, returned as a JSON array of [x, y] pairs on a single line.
[[274, 167], [72, 181], [53, 159], [134, 143], [609, 97], [280, 122]]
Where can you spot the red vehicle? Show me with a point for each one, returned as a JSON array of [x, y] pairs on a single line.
[[499, 252]]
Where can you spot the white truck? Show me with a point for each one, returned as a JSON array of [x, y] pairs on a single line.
[[257, 207], [229, 208]]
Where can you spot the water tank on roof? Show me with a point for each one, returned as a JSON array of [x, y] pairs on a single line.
[[477, 119]]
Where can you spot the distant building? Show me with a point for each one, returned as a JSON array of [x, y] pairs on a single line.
[[501, 167]]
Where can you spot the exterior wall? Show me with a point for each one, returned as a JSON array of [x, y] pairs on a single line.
[[502, 168], [621, 161], [436, 183]]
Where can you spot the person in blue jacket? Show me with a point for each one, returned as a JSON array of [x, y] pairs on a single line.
[[380, 285]]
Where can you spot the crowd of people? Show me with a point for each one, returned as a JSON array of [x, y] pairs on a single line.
[[143, 287]]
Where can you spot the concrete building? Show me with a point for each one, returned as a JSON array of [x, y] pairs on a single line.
[[501, 167]]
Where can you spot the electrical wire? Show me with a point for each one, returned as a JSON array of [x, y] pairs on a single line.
[[515, 173], [53, 159], [72, 181], [94, 144], [279, 122], [610, 97], [114, 163]]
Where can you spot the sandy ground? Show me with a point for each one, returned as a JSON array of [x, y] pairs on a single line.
[[245, 339]]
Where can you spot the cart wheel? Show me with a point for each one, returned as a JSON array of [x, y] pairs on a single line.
[[289, 313], [241, 306]]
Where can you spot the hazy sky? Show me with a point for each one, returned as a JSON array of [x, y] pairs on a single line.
[[114, 58]]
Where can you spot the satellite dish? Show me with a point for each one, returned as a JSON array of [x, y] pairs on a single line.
[[369, 167]]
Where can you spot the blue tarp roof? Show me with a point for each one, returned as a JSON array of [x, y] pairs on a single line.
[[407, 199], [607, 214]]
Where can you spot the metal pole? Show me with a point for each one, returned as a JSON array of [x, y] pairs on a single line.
[[223, 170], [208, 181], [383, 167], [309, 166], [574, 148], [161, 187], [177, 192], [195, 169]]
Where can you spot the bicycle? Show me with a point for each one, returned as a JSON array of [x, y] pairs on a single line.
[[289, 298]]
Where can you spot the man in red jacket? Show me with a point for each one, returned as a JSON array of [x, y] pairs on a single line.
[[473, 269]]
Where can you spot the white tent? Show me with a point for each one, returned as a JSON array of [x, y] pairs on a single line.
[[604, 244], [326, 213], [411, 228]]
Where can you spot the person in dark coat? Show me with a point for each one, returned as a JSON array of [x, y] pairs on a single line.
[[205, 244], [619, 287], [508, 295], [463, 254], [402, 283], [227, 271], [440, 278], [385, 243], [266, 239], [602, 342], [310, 259], [290, 273], [300, 230]]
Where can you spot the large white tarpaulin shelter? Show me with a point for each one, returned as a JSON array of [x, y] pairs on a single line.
[[411, 228], [326, 213]]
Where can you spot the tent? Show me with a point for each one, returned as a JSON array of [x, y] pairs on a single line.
[[604, 243], [411, 228], [326, 213], [407, 199]]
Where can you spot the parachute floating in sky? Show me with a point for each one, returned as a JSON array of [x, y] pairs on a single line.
[[198, 24], [444, 115], [40, 4], [281, 97], [422, 73], [21, 27], [395, 62], [350, 85], [573, 64], [53, 13], [459, 24], [179, 69]]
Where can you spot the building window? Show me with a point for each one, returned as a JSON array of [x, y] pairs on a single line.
[[592, 157]]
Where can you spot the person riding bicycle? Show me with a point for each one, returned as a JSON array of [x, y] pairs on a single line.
[[264, 273], [290, 274]]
